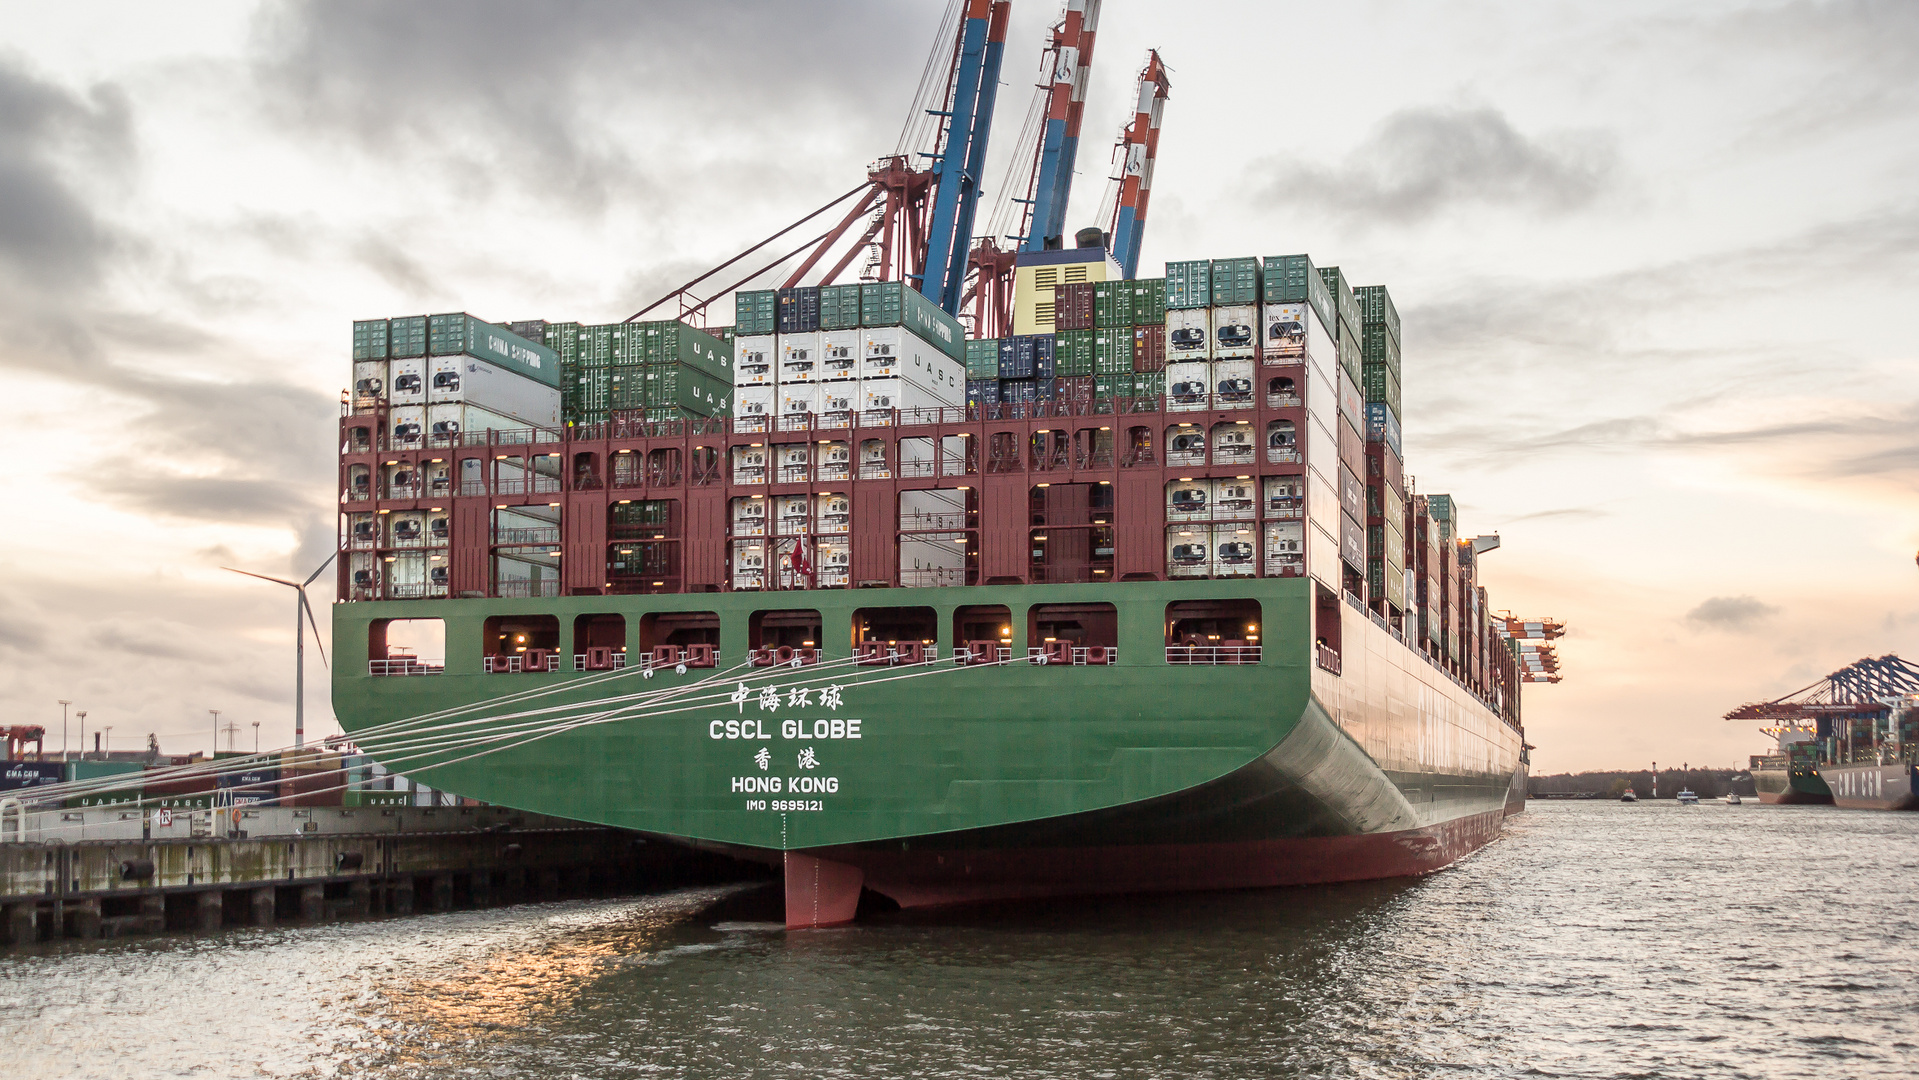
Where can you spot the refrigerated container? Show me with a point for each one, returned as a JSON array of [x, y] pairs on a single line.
[[755, 360], [1188, 334], [800, 359], [832, 511], [840, 355], [1235, 331], [878, 395], [407, 425], [889, 303], [1352, 403], [889, 352], [1189, 551], [755, 402], [837, 401], [1189, 500], [458, 333], [1234, 444], [1283, 340], [369, 383], [749, 564], [749, 515], [1284, 498], [792, 515], [1235, 500], [406, 381], [1285, 543], [1188, 386], [1235, 550], [1232, 382], [1293, 278], [798, 403], [469, 381]]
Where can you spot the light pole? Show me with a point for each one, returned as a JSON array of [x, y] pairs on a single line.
[[109, 743], [63, 728], [82, 716], [216, 734], [256, 736]]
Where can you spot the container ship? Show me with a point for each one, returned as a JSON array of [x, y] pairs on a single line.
[[1850, 739], [1116, 584]]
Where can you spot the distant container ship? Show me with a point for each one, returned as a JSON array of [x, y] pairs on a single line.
[[1141, 600], [1850, 739]]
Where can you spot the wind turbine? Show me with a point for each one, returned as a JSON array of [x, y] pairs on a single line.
[[301, 609]]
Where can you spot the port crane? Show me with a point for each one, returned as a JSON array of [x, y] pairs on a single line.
[[1864, 684], [913, 217], [1530, 640]]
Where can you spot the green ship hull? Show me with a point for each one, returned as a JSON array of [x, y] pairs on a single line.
[[943, 782]]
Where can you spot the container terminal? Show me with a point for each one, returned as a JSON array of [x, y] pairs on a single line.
[[1192, 623], [1850, 739]]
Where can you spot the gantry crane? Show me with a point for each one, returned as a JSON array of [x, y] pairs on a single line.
[[1135, 153]]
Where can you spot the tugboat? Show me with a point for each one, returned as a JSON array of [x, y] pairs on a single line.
[[1629, 796], [1733, 799]]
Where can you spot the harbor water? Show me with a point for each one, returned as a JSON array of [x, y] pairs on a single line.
[[1594, 939]]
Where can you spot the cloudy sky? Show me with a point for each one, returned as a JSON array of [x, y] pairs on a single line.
[[1654, 261]]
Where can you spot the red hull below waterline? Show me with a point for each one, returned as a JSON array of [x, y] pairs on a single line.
[[934, 877]]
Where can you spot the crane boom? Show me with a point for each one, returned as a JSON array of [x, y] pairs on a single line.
[[1138, 147], [1072, 49], [962, 150]]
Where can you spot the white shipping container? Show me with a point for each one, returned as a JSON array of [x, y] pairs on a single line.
[[406, 381], [1232, 384], [1285, 497], [1285, 548], [832, 513], [1322, 554], [755, 402], [1189, 334], [1283, 340], [1235, 332], [832, 562], [369, 380], [799, 358], [798, 402], [1233, 444], [1282, 442], [835, 461], [1233, 550], [1322, 502], [1189, 551], [749, 464], [408, 425], [1185, 445], [363, 570], [1352, 493], [360, 531], [439, 524], [890, 353], [879, 395], [839, 355], [792, 514], [465, 380], [1189, 500], [1322, 449], [754, 358], [749, 515], [749, 564], [1322, 397], [1234, 500], [1186, 386], [405, 528], [837, 399], [447, 423], [794, 461], [938, 372]]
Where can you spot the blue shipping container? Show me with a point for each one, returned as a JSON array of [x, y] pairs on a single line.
[[1016, 358], [1383, 426]]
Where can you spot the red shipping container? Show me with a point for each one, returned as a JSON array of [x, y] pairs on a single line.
[[1383, 464], [1073, 307], [1149, 348]]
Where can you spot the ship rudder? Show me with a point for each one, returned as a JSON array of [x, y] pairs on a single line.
[[820, 892]]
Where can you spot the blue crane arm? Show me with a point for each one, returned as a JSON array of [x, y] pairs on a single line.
[[963, 152]]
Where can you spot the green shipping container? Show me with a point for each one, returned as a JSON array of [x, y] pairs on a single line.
[[103, 770], [1381, 385], [840, 307], [1112, 351], [406, 337], [1148, 384], [1376, 306], [1349, 357], [888, 303], [1377, 346], [1292, 278], [1343, 302], [1235, 281], [596, 344], [1073, 353], [369, 339], [756, 311], [1106, 387], [627, 388], [459, 334], [683, 386], [1149, 302], [982, 358], [1112, 303], [673, 342], [1189, 284]]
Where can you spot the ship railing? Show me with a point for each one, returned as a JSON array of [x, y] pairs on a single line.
[[600, 658], [1282, 457], [526, 589], [782, 656], [677, 656], [405, 665], [894, 653], [1380, 620], [1213, 654], [1282, 401], [1327, 658], [1066, 654], [416, 590], [530, 662]]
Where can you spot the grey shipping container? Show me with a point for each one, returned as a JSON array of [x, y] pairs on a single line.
[[1189, 284], [1376, 306], [462, 334], [756, 311], [1293, 278], [369, 339], [888, 303], [530, 329], [1235, 281]]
